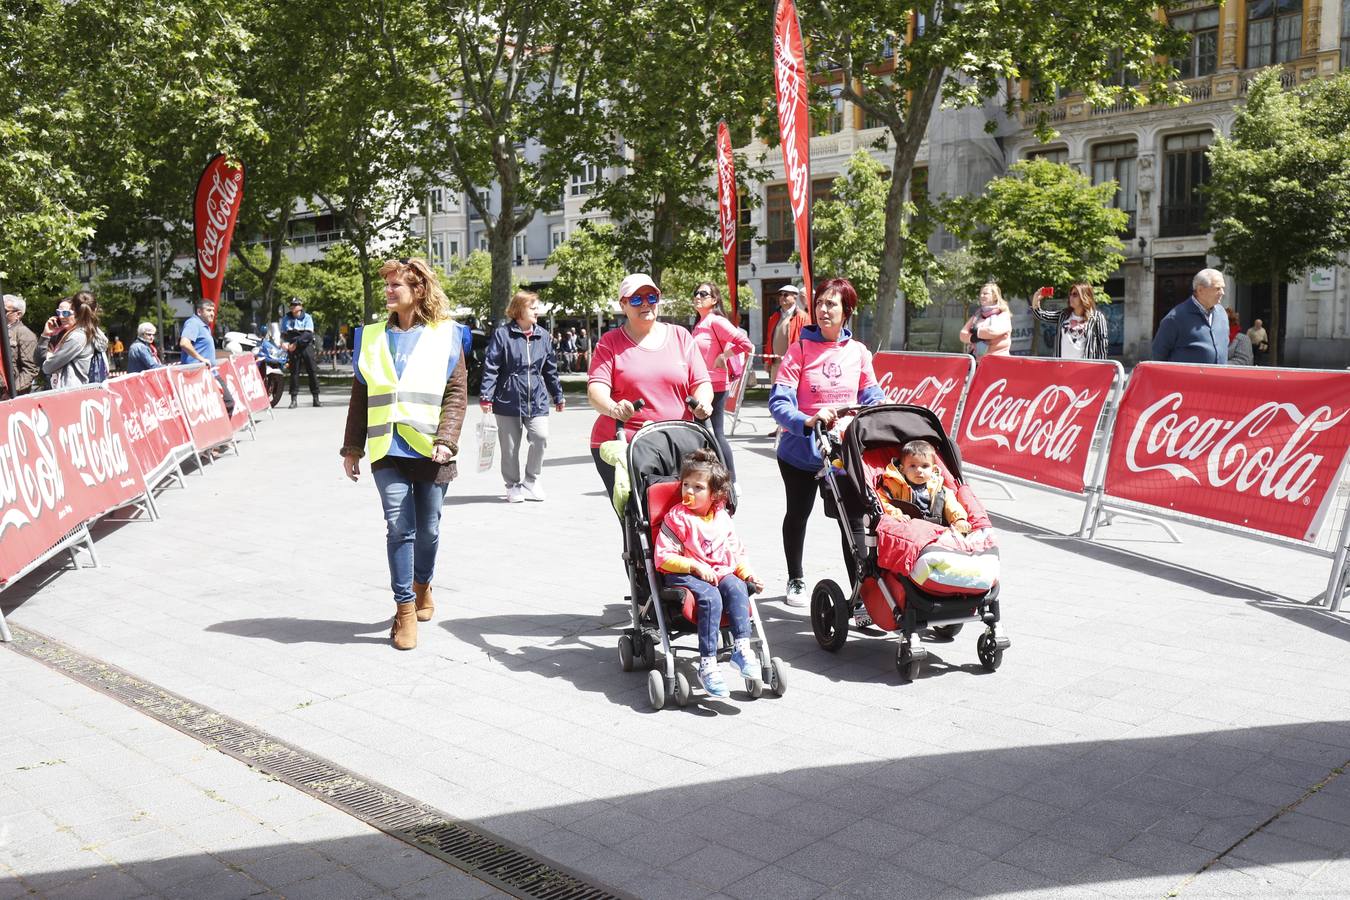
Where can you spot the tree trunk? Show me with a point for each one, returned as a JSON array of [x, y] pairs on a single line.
[[367, 289], [663, 239], [499, 246], [1273, 333]]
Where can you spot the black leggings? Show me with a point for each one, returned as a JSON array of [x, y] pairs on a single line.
[[606, 472], [800, 486], [716, 420]]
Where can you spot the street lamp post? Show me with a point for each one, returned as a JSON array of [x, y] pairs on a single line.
[[159, 291]]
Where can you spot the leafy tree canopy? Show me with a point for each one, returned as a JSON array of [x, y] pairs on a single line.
[[589, 272]]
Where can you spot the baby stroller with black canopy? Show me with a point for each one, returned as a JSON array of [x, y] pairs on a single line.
[[661, 615], [926, 575]]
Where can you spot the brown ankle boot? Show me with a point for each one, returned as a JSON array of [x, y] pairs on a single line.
[[425, 607], [404, 632]]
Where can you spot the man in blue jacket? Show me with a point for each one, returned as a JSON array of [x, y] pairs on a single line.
[[1196, 330]]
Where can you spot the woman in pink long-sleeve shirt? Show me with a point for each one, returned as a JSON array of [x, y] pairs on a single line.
[[989, 331], [721, 343]]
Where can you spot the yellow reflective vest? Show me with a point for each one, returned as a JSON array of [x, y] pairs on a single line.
[[410, 402]]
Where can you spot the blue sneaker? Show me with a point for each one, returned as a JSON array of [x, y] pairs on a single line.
[[746, 664], [711, 679]]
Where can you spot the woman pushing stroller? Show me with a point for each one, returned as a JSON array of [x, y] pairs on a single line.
[[697, 549]]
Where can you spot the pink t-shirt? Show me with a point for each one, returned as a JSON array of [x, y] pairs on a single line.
[[824, 373], [713, 334], [661, 377]]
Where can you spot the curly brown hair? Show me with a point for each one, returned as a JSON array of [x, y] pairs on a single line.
[[706, 463], [432, 304]]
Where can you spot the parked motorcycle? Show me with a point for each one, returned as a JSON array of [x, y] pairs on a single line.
[[272, 366]]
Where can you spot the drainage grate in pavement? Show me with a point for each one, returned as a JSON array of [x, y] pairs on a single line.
[[481, 855]]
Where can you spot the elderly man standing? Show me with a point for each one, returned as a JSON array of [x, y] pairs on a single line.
[[784, 327], [143, 354], [1196, 330], [22, 345]]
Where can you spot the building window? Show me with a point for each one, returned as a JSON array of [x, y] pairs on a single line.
[[583, 182], [1053, 154], [1121, 76], [453, 252], [438, 257], [520, 249], [832, 120], [1202, 58], [745, 232], [1274, 31], [484, 197], [483, 243], [436, 200], [778, 224], [557, 234], [1185, 171], [1345, 34], [1117, 162]]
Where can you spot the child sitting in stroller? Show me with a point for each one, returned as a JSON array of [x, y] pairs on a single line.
[[914, 478], [697, 549]]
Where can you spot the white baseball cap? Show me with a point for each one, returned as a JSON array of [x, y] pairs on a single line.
[[789, 289], [631, 284]]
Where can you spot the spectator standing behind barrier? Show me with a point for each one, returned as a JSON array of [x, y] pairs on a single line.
[[1195, 330], [143, 355], [23, 346], [1080, 329], [297, 329], [116, 350], [989, 331], [199, 346], [74, 350], [520, 375], [784, 328], [410, 390], [643, 359], [722, 345], [824, 371], [1239, 345], [1260, 342]]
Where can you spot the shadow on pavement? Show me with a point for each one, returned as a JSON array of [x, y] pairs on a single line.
[[290, 630], [467, 499]]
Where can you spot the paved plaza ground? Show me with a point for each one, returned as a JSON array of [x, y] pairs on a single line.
[[1171, 720]]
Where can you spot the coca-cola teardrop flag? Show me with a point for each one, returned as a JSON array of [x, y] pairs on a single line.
[[936, 381], [1247, 446], [1034, 418], [794, 126], [220, 192], [728, 214]]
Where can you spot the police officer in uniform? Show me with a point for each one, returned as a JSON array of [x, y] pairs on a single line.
[[297, 330]]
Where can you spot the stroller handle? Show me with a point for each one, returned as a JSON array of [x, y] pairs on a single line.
[[619, 426]]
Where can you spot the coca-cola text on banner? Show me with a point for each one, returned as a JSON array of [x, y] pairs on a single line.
[[64, 459], [1245, 446], [136, 403], [1034, 418], [203, 406], [790, 85], [172, 421], [220, 193], [728, 215], [933, 381], [251, 383]]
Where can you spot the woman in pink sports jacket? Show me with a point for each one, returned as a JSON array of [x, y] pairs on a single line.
[[720, 342]]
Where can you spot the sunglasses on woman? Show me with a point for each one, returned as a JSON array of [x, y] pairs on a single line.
[[639, 299], [702, 293], [65, 313]]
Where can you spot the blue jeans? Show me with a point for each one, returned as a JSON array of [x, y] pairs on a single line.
[[730, 594], [412, 517]]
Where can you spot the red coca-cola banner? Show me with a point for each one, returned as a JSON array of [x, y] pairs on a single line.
[[229, 374], [1034, 418], [220, 193], [790, 85], [728, 215], [136, 405], [203, 406], [1247, 446], [933, 380], [173, 424], [64, 460], [251, 383]]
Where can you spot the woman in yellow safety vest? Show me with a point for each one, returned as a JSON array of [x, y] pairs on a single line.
[[409, 393]]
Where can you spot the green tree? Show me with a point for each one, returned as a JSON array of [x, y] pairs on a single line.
[[1279, 190], [898, 60], [470, 286], [588, 273], [1042, 223], [850, 233], [699, 61]]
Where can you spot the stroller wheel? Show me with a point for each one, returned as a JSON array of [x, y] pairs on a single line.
[[991, 655], [947, 632], [907, 664], [656, 689], [755, 688], [778, 672], [626, 653], [829, 615], [682, 690]]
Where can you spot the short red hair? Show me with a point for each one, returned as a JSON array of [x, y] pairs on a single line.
[[847, 295]]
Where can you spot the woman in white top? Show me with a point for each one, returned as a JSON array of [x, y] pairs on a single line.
[[1080, 328]]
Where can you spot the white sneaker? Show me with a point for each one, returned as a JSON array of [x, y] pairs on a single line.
[[532, 491], [796, 593], [515, 494]]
